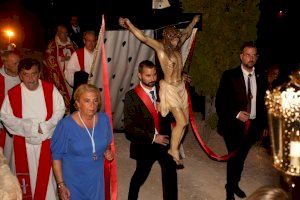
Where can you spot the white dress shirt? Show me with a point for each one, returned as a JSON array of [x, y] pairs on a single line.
[[154, 103], [253, 90]]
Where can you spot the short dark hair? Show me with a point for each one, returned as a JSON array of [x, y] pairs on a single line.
[[296, 68], [146, 63], [273, 67], [249, 44], [28, 63], [74, 15]]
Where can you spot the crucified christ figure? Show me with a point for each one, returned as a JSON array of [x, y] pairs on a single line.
[[172, 92]]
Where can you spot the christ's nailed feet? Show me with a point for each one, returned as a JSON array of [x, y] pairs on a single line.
[[176, 156]]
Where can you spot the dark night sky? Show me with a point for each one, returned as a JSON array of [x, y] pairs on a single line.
[[47, 14], [278, 34]]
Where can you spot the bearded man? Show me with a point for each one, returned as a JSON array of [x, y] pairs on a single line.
[[172, 93]]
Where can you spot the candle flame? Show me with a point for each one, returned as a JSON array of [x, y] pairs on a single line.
[[9, 33]]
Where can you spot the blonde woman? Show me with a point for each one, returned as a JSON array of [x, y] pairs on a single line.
[[79, 145]]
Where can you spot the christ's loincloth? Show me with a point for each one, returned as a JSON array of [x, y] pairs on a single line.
[[172, 97]]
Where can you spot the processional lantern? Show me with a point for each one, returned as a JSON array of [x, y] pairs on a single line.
[[283, 104]]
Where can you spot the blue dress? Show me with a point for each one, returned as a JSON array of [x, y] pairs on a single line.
[[72, 145]]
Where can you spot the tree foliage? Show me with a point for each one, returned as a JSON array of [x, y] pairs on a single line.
[[226, 25]]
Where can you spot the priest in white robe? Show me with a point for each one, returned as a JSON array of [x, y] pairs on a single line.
[[30, 112], [9, 77], [82, 59]]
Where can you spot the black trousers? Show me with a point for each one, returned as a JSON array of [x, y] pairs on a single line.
[[242, 144], [168, 173]]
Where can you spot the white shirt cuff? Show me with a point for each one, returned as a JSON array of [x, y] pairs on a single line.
[[156, 133], [237, 116]]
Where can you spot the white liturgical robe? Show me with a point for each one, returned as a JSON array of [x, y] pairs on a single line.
[[74, 66], [9, 82], [34, 113]]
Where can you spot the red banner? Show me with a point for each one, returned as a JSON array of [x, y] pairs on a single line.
[[110, 167]]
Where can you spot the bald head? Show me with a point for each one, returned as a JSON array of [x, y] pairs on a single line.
[[11, 61], [62, 33], [89, 40]]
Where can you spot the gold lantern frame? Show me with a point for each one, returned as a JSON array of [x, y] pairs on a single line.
[[283, 104]]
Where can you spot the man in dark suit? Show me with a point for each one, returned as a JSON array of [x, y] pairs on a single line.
[[242, 114], [75, 31], [149, 134]]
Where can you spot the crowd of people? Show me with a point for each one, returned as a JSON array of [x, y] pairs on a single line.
[[32, 112], [38, 127], [56, 139], [70, 51]]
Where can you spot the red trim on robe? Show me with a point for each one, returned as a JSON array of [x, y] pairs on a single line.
[[53, 73], [21, 160], [2, 89], [2, 137], [80, 56], [2, 95]]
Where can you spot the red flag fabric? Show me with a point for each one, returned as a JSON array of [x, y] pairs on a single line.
[[110, 167]]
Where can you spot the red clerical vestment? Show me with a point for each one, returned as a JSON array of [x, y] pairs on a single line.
[[21, 162], [2, 95], [53, 72]]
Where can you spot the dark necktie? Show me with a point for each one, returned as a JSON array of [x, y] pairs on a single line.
[[249, 94], [153, 96]]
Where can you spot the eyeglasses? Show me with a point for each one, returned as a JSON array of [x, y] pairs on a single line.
[[250, 55]]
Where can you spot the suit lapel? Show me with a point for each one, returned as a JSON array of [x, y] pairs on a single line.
[[143, 107], [240, 83]]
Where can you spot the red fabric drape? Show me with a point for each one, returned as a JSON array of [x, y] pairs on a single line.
[[195, 128], [2, 95], [80, 56], [110, 167], [148, 103], [193, 122], [2, 89], [207, 149]]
